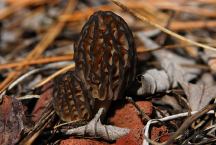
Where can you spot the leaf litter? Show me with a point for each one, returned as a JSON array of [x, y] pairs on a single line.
[[176, 68]]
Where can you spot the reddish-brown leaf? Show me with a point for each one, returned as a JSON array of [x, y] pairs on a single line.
[[11, 120]]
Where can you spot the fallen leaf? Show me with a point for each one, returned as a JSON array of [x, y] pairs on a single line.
[[154, 80], [11, 120], [168, 100], [198, 95], [96, 129], [42, 102]]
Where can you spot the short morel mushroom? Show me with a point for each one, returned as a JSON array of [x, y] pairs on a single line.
[[71, 99], [105, 59]]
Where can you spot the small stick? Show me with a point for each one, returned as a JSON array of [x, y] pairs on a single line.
[[142, 113], [188, 122]]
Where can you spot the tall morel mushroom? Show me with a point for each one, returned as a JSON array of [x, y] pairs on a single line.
[[105, 58], [105, 55]]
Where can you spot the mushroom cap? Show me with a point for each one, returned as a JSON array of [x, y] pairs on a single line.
[[71, 100], [105, 55]]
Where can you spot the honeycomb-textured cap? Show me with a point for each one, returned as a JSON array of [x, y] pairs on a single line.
[[105, 55], [71, 100]]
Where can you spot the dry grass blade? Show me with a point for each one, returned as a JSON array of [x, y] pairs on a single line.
[[146, 20], [38, 61]]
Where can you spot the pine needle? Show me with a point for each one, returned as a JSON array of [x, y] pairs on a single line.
[[163, 29]]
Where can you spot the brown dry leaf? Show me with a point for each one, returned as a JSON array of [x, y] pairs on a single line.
[[42, 102], [11, 120]]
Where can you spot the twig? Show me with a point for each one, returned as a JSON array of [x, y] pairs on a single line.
[[188, 122], [150, 141], [209, 141], [153, 121], [46, 118], [142, 113]]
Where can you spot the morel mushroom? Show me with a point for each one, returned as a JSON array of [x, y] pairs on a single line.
[[71, 100], [105, 58], [105, 55]]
